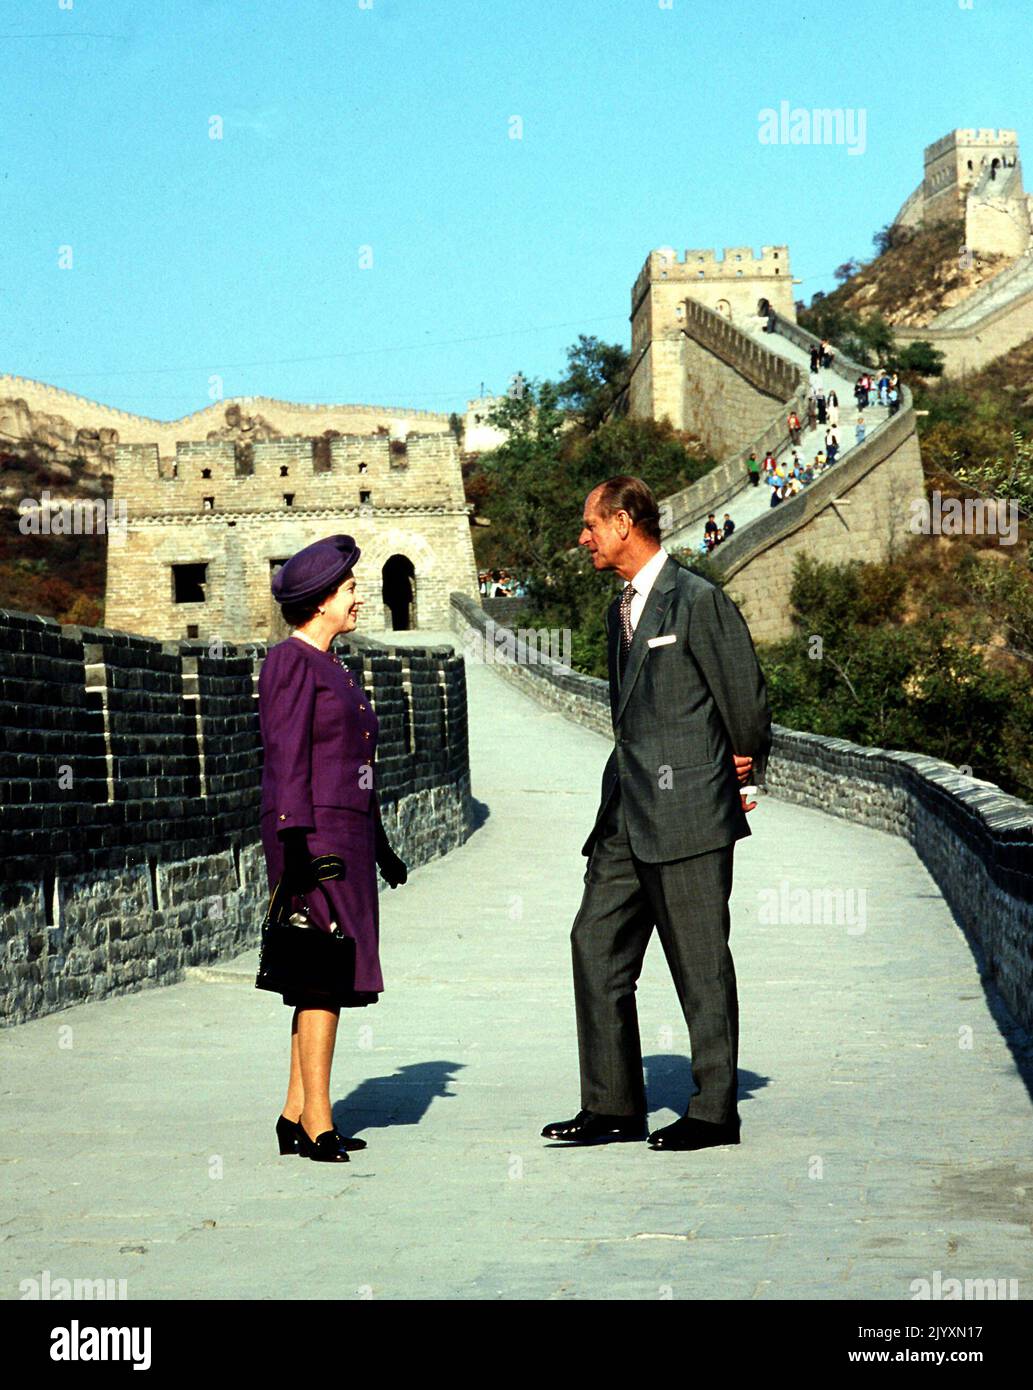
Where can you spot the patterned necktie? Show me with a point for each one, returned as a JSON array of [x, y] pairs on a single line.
[[627, 631]]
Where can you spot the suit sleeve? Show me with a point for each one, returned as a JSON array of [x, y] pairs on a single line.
[[721, 644], [287, 704]]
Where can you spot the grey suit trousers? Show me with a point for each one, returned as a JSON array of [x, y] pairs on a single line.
[[687, 901]]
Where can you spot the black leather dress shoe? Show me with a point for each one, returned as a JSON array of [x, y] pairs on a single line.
[[327, 1147], [287, 1137], [589, 1128], [687, 1133]]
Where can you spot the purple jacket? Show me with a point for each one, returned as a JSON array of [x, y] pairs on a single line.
[[319, 735]]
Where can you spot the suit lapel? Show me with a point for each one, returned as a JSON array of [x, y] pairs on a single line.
[[657, 604]]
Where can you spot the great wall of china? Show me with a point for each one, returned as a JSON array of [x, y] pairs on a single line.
[[147, 713]]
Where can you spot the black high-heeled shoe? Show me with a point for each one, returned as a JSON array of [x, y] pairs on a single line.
[[287, 1135], [327, 1147]]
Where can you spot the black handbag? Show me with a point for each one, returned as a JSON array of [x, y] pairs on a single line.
[[298, 957]]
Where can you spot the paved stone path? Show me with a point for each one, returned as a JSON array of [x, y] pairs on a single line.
[[878, 1147]]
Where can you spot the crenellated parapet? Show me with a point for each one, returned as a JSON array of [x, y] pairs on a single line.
[[290, 473], [699, 267], [207, 527], [975, 174]]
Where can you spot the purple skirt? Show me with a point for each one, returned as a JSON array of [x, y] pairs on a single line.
[[352, 901]]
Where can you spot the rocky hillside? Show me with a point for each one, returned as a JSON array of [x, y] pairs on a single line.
[[918, 275]]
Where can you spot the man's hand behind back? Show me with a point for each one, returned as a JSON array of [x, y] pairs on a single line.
[[743, 768]]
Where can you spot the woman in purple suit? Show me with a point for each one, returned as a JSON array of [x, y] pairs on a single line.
[[319, 736]]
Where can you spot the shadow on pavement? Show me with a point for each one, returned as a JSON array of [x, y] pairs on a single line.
[[403, 1098]]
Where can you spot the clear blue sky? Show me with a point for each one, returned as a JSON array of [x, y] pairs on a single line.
[[387, 126]]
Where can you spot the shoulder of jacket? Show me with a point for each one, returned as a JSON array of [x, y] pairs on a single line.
[[691, 584], [285, 655]]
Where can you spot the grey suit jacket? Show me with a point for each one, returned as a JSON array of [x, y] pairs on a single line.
[[682, 710]]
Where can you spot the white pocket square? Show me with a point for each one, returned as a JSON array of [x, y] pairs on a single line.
[[663, 641]]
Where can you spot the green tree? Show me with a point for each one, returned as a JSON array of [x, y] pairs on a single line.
[[535, 486], [921, 357], [597, 372]]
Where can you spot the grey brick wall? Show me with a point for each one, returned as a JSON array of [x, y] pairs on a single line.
[[130, 780]]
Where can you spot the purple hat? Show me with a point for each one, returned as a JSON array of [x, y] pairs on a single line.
[[316, 570]]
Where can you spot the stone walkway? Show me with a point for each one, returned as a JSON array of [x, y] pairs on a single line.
[[883, 1142], [755, 501]]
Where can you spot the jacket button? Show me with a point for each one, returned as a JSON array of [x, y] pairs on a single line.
[[365, 733], [283, 817], [362, 707]]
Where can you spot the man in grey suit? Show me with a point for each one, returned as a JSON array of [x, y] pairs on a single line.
[[691, 720]]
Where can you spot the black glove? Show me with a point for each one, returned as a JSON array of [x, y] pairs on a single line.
[[297, 865], [389, 864]]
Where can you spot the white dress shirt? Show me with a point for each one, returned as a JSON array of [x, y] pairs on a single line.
[[643, 582]]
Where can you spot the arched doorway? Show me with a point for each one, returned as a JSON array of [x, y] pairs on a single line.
[[399, 592], [724, 308]]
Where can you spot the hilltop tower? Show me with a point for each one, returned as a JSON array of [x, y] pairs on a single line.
[[737, 285], [977, 175], [208, 529]]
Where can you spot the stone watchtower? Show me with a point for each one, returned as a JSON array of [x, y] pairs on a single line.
[[208, 529], [737, 285], [977, 175]]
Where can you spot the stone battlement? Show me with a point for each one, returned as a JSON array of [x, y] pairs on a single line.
[[225, 475], [707, 264], [145, 859], [207, 526], [974, 174], [955, 138]]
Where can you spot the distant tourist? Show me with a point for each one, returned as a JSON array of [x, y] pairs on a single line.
[[815, 359], [831, 444], [894, 400], [859, 430], [826, 353], [794, 427], [833, 408], [753, 470], [820, 404], [776, 497], [812, 411], [710, 530], [729, 526]]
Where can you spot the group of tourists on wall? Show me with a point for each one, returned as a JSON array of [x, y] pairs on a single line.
[[713, 534], [500, 584], [821, 356], [886, 383]]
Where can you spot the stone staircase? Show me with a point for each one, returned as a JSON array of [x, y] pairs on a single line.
[[751, 502]]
